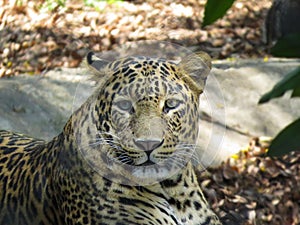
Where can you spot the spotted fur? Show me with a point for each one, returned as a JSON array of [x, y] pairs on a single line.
[[123, 157]]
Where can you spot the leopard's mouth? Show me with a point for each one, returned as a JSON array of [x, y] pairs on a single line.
[[147, 163], [135, 157], [134, 162]]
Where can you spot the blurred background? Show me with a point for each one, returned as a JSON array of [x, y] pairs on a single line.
[[39, 35]]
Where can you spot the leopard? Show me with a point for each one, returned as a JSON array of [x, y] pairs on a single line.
[[122, 158]]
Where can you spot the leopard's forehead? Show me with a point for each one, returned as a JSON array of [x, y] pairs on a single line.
[[143, 67], [145, 76], [140, 62]]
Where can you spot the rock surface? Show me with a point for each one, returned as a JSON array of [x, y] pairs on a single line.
[[40, 105]]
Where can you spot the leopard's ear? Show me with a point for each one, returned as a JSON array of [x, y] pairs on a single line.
[[196, 68], [97, 65]]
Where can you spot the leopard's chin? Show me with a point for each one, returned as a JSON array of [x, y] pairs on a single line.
[[151, 174]]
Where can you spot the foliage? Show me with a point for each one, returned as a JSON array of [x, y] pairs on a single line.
[[289, 46], [290, 82], [288, 139], [215, 9]]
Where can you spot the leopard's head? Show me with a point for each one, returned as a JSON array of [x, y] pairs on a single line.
[[142, 121]]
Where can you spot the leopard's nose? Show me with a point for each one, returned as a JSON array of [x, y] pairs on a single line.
[[148, 144]]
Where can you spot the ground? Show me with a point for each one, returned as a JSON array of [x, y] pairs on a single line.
[[252, 189], [35, 39]]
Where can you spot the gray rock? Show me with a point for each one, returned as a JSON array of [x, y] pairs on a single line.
[[40, 105], [241, 84]]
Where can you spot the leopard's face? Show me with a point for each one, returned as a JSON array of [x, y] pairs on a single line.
[[145, 116], [152, 113]]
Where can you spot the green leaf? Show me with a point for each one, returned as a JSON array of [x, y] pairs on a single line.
[[296, 92], [290, 82], [215, 9], [288, 46], [287, 140]]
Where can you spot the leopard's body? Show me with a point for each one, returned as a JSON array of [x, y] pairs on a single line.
[[122, 158]]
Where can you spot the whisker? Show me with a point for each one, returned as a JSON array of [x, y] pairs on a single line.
[[110, 134], [194, 157]]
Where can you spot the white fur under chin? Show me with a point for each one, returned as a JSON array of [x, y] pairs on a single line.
[[150, 174]]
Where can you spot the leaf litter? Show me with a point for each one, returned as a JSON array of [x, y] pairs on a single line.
[[34, 38]]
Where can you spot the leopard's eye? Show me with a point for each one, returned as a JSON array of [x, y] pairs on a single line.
[[124, 105], [172, 103]]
